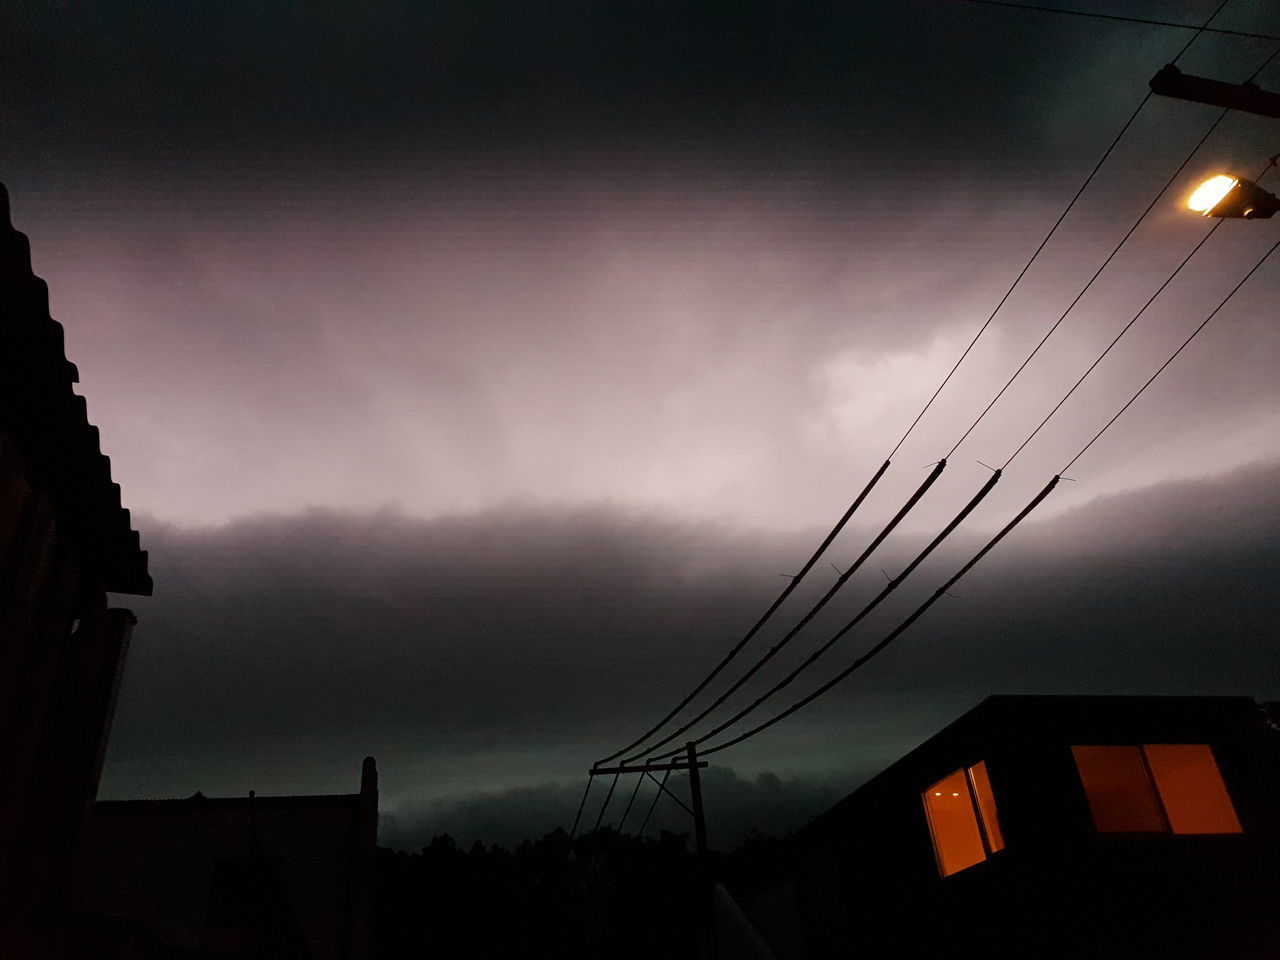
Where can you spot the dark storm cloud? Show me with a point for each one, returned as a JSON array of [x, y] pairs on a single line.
[[164, 79], [476, 652]]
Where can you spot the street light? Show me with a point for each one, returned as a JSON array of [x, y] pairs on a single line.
[[1225, 196]]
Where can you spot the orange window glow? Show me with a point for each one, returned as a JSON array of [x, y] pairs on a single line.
[[986, 805], [961, 810], [1191, 788], [954, 825], [1119, 790]]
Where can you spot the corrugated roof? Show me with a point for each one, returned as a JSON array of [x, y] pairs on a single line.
[[49, 421]]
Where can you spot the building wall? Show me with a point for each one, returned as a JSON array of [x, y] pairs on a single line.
[[166, 864], [61, 652]]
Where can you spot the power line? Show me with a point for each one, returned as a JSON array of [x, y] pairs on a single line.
[[1173, 356], [1111, 16], [623, 818], [1265, 63], [795, 581], [581, 803], [888, 589], [813, 611], [894, 634], [1123, 331], [1023, 272], [656, 797], [607, 797], [1097, 273]]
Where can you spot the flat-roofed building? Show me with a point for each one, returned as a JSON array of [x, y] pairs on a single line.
[[1050, 827], [288, 878]]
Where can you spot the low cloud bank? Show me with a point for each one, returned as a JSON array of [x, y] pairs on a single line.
[[735, 807], [474, 655]]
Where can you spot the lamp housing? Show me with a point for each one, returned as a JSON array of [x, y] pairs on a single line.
[[1226, 196]]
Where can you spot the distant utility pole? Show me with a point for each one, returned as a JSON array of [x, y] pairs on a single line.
[[1244, 97], [690, 763], [695, 788]]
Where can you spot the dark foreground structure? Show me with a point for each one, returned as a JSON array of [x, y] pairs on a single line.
[[65, 541], [1081, 827], [285, 878]]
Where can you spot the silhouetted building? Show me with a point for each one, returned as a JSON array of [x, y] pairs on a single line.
[[65, 541], [1049, 827], [285, 878]]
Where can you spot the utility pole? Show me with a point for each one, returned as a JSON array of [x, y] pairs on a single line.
[[695, 789]]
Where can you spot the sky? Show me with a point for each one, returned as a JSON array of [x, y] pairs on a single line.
[[474, 370]]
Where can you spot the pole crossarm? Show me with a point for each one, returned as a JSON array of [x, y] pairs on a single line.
[[682, 764], [1244, 97]]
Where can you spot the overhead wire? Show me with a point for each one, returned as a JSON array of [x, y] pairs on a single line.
[[581, 803], [627, 810], [1088, 285], [813, 611], [1125, 329], [787, 591], [656, 797], [893, 634], [607, 797], [1109, 16], [1027, 266], [1172, 356], [889, 588]]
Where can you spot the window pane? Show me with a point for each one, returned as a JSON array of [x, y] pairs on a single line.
[[954, 827], [986, 806], [1119, 790], [1195, 798]]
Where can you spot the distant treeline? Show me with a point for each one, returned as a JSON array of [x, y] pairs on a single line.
[[602, 894]]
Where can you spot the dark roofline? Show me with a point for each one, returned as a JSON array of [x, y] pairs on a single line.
[[49, 422], [226, 803]]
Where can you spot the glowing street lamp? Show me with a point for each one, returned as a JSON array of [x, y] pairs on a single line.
[[1225, 196]]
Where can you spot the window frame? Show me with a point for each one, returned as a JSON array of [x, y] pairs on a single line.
[[989, 848], [1156, 794]]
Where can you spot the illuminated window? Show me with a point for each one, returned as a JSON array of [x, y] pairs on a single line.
[[962, 819], [1155, 788]]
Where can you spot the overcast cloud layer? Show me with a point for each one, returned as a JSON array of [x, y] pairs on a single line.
[[475, 369], [699, 260]]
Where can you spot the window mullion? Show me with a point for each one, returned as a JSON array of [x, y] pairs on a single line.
[[977, 811], [1155, 788]]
